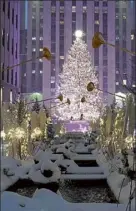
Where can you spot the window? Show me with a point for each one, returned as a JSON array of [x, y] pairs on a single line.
[[41, 71], [15, 78], [117, 83], [85, 26], [96, 16], [124, 17], [105, 73], [41, 38], [34, 49], [24, 74], [53, 47], [3, 72], [73, 2], [105, 62], [16, 50], [53, 3], [7, 75], [96, 3], [97, 22], [8, 10], [96, 57], [12, 16], [73, 9], [12, 49], [4, 6], [3, 37], [7, 41], [132, 36], [16, 21], [84, 3], [52, 85], [33, 71], [105, 4], [105, 50], [12, 76], [61, 57]]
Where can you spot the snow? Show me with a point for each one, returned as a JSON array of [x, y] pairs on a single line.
[[115, 179], [8, 168], [12, 171], [73, 168], [45, 200], [42, 156], [36, 173], [83, 176], [84, 157]]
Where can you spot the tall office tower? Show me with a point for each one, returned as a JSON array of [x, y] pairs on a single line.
[[31, 46], [61, 20], [125, 34], [9, 48]]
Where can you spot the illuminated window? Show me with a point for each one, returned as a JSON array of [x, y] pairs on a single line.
[[73, 9], [124, 82], [97, 22], [40, 49], [33, 38], [117, 83], [33, 71], [132, 36], [61, 22], [41, 38], [133, 85], [61, 57], [24, 74], [124, 17], [34, 49], [41, 71], [40, 60]]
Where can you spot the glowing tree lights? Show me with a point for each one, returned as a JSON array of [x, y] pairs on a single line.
[[78, 71]]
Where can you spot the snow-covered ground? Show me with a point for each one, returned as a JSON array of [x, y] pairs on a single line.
[[43, 173], [119, 183], [45, 200]]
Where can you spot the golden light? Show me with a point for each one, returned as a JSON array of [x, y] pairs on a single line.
[[60, 97], [3, 134], [37, 133], [97, 40], [83, 100], [68, 101], [19, 133], [90, 86], [11, 133], [47, 53]]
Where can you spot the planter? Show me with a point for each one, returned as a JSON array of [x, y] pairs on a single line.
[[24, 183]]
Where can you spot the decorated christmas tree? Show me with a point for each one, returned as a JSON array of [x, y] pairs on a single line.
[[78, 71]]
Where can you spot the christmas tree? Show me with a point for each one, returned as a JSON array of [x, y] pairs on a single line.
[[78, 71]]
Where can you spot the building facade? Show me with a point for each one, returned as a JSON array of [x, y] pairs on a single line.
[[125, 35], [10, 45], [31, 46]]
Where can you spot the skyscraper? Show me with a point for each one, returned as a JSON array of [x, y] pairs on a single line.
[[31, 45], [10, 44], [125, 38]]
